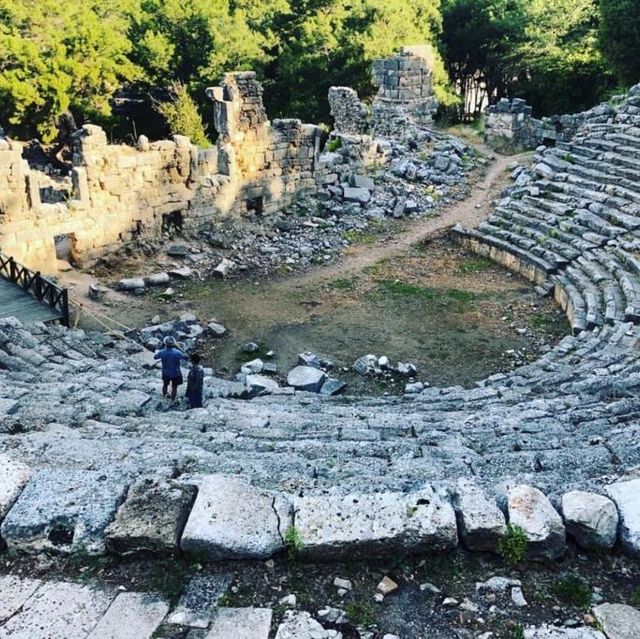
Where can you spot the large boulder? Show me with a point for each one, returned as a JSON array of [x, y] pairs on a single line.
[[530, 510], [618, 621], [481, 522], [375, 524], [306, 378], [625, 494], [231, 519], [592, 520]]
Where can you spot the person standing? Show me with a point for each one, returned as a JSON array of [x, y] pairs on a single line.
[[195, 381], [170, 356]]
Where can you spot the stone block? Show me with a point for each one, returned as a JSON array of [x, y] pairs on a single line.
[[199, 601], [306, 378], [63, 511], [531, 510], [58, 610], [618, 621], [592, 520], [233, 520], [354, 194], [241, 623], [13, 477], [301, 625], [626, 495], [481, 522], [14, 593], [152, 518], [132, 615], [375, 524]]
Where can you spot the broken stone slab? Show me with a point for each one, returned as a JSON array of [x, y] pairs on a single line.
[[63, 511], [131, 284], [13, 478], [231, 519], [223, 268], [259, 384], [301, 625], [552, 632], [618, 621], [96, 292], [625, 495], [158, 279], [530, 509], [375, 524], [253, 367], [217, 329], [355, 194], [306, 378], [332, 386], [14, 593], [480, 521], [182, 273], [58, 610], [241, 623], [178, 250], [199, 601], [592, 520], [152, 518], [363, 182], [132, 615]]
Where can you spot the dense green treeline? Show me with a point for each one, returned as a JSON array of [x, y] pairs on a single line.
[[562, 55]]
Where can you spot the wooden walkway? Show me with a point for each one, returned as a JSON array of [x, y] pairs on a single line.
[[14, 302]]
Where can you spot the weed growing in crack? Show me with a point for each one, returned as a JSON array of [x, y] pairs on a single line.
[[513, 545], [293, 543], [361, 613]]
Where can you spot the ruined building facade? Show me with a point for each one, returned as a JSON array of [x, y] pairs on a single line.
[[122, 192]]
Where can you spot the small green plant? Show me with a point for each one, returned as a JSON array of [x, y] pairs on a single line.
[[475, 265], [293, 543], [361, 613], [573, 590], [634, 599], [513, 545], [517, 632], [334, 145]]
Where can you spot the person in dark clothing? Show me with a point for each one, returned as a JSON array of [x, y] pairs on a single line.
[[194, 383], [170, 356]]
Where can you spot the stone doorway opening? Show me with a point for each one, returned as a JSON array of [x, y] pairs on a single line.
[[172, 222], [255, 205]]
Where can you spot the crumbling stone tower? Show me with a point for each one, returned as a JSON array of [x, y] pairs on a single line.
[[266, 163], [405, 94]]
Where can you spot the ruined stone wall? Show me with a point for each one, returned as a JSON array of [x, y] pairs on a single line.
[[405, 94], [349, 114], [121, 192], [268, 164], [511, 124]]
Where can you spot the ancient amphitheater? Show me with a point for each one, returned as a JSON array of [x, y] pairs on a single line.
[[91, 465]]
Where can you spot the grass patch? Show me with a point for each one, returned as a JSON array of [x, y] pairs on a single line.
[[475, 265], [634, 599], [547, 323], [343, 284], [243, 357], [361, 613], [513, 545], [452, 299], [360, 237], [573, 590], [293, 543]]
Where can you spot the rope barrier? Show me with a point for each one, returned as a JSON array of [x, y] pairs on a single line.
[[96, 316]]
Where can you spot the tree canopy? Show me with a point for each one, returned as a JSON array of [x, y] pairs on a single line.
[[561, 55]]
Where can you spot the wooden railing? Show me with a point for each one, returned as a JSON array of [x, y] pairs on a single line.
[[40, 287]]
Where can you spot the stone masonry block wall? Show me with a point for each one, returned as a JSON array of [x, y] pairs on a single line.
[[121, 192], [350, 115], [511, 124], [267, 164]]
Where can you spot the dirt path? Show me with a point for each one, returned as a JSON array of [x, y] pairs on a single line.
[[470, 212]]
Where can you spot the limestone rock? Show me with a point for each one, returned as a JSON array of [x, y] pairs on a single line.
[[618, 621], [131, 284], [625, 495], [259, 384], [132, 615], [63, 511], [300, 625], [231, 519], [217, 329], [15, 592], [355, 194], [13, 477], [152, 518], [306, 378], [481, 522], [532, 511], [552, 632], [241, 623], [158, 279], [592, 520], [223, 268], [198, 602], [376, 523]]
